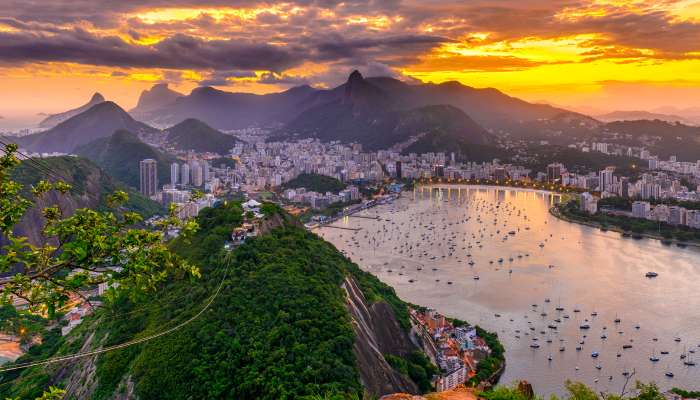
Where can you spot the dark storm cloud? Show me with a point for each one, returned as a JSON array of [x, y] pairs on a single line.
[[176, 52], [316, 32]]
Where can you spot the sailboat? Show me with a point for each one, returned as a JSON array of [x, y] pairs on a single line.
[[653, 357]]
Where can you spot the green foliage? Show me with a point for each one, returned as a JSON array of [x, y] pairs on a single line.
[[78, 173], [279, 329], [637, 226], [491, 364], [317, 183], [270, 209], [87, 248], [686, 394], [120, 154], [215, 227], [193, 134], [420, 371], [503, 393]]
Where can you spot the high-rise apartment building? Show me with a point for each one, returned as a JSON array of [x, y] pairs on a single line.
[[149, 177]]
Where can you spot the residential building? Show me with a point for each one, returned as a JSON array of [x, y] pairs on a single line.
[[148, 169]]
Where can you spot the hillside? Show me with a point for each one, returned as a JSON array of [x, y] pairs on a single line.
[[55, 119], [90, 186], [643, 115], [222, 110], [294, 318], [226, 110], [369, 115], [119, 154], [660, 137], [193, 134], [158, 96], [315, 182], [97, 122]]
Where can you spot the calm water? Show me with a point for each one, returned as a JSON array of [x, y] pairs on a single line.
[[576, 268]]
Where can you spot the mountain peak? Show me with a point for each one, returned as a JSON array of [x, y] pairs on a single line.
[[355, 76], [154, 98], [97, 98], [55, 119]]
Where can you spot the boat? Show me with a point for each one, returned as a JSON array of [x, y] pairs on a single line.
[[651, 274], [653, 357]]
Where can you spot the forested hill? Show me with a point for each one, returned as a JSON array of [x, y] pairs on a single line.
[[316, 182], [90, 187], [283, 327]]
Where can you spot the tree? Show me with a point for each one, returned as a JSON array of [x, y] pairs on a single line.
[[83, 250]]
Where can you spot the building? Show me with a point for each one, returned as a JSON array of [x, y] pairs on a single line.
[[677, 215], [452, 379], [589, 203], [500, 174], [174, 173], [554, 172], [440, 171], [185, 174], [605, 178], [196, 172], [149, 177], [641, 209]]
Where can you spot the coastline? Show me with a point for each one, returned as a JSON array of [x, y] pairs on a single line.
[[554, 211]]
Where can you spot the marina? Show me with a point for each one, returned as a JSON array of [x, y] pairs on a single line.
[[567, 300]]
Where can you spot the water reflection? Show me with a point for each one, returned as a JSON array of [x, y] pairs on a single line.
[[546, 279]]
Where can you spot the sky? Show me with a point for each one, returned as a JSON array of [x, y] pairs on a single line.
[[588, 55]]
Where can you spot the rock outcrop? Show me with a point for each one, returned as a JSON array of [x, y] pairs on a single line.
[[378, 332]]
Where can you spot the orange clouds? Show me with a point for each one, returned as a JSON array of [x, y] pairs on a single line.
[[527, 47]]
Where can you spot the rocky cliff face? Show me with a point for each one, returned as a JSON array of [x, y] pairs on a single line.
[[377, 333]]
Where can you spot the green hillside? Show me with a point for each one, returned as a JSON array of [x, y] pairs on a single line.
[[193, 134], [316, 183], [280, 328], [120, 153], [90, 185]]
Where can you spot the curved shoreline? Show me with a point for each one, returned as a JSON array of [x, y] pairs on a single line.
[[554, 211]]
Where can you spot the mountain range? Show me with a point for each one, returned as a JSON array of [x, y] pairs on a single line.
[[120, 153], [99, 121], [379, 113], [193, 134], [645, 115], [158, 96], [226, 111], [55, 119], [361, 111]]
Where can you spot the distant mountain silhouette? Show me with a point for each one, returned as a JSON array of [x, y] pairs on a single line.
[[643, 115], [222, 110], [160, 95], [193, 134], [119, 154], [55, 119], [362, 112], [99, 121], [226, 111]]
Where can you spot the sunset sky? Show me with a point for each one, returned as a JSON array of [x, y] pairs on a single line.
[[589, 55]]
